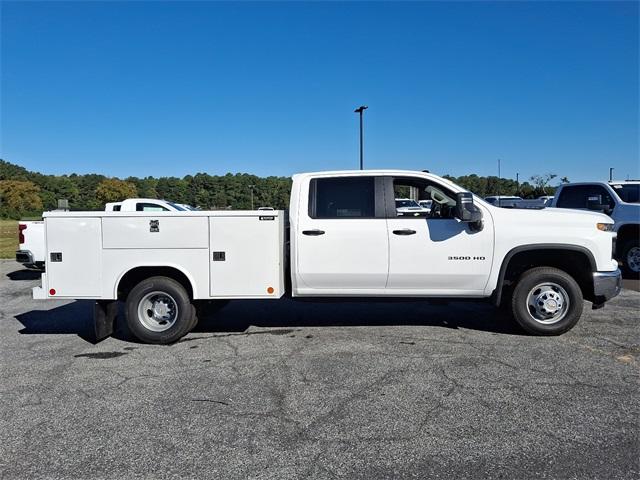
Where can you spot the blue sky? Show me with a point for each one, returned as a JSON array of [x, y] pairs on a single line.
[[143, 88]]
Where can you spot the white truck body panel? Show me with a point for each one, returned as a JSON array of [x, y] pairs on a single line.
[[79, 274], [99, 248]]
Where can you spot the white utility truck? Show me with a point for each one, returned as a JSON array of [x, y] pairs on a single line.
[[343, 237]]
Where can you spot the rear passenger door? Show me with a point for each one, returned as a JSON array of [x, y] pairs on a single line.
[[341, 239]]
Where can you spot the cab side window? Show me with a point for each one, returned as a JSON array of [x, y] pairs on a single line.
[[342, 197], [577, 196], [150, 207], [420, 198]]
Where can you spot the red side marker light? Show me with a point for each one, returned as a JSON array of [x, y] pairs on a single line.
[[52, 291]]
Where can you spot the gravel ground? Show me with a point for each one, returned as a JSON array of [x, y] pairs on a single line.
[[284, 389]]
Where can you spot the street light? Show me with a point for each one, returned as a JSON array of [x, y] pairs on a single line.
[[361, 110]]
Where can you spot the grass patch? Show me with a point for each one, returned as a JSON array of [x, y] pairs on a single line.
[[8, 238]]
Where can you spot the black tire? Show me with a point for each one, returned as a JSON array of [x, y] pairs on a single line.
[[626, 247], [569, 289], [182, 323]]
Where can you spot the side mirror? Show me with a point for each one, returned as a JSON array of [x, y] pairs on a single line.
[[466, 211], [594, 202]]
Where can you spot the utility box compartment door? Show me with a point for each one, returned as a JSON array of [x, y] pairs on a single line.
[[74, 256], [161, 231], [246, 256]]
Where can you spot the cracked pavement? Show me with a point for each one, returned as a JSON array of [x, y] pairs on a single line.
[[285, 389]]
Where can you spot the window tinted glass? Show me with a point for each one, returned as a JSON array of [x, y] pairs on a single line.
[[116, 208], [150, 207], [629, 193], [345, 197], [577, 196]]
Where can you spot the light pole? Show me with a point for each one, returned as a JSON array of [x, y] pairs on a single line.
[[518, 183], [361, 110], [611, 174], [251, 187], [499, 176]]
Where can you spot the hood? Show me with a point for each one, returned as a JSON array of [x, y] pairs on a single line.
[[564, 216]]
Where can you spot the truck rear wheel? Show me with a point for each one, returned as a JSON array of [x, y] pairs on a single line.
[[159, 311], [547, 301]]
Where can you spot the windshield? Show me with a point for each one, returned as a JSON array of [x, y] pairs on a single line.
[[406, 203], [629, 193], [177, 207]]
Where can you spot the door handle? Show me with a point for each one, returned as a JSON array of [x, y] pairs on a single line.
[[313, 233], [404, 231]]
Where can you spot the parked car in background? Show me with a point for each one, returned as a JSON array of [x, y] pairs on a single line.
[[619, 200], [410, 208], [426, 204], [31, 244], [547, 199], [502, 200]]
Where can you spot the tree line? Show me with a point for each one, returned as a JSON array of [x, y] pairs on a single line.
[[27, 194]]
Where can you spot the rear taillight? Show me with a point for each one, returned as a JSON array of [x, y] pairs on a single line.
[[21, 228]]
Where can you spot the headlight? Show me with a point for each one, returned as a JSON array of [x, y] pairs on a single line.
[[605, 227]]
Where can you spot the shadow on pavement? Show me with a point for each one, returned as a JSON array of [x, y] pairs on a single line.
[[77, 317], [24, 275]]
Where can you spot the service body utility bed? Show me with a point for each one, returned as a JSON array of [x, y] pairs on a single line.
[[223, 254]]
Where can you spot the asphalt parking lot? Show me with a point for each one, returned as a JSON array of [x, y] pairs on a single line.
[[284, 389]]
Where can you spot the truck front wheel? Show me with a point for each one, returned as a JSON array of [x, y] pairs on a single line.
[[631, 257], [159, 311], [546, 301]]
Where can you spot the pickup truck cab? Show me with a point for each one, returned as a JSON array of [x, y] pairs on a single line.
[[146, 205], [619, 200], [346, 239]]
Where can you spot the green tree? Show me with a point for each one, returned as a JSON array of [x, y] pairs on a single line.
[[541, 183], [115, 190], [19, 197]]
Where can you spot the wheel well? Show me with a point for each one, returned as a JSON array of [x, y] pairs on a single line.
[[136, 275], [575, 262], [625, 233]]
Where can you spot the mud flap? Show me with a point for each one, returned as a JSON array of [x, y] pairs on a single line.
[[104, 317]]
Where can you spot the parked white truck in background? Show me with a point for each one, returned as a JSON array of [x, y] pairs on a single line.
[[31, 249], [619, 200], [347, 239]]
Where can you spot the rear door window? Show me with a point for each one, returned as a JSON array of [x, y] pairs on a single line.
[[342, 197]]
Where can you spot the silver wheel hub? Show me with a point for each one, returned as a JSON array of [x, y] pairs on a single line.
[[157, 311], [633, 259], [548, 303]]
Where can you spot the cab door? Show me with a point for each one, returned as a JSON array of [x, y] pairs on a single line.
[[434, 253], [341, 239]]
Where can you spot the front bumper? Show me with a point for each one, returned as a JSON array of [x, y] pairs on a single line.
[[606, 285]]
